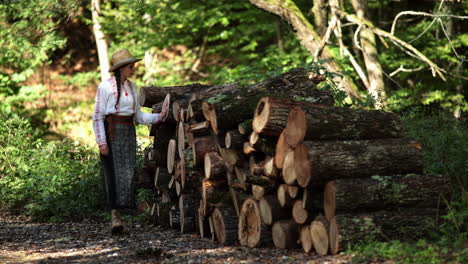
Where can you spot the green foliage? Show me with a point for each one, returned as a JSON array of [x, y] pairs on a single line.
[[46, 180], [28, 35]]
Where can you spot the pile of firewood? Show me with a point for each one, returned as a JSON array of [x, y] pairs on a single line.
[[276, 163]]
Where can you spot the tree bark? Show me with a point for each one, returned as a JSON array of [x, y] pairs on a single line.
[[150, 95], [200, 147], [320, 16], [271, 114], [321, 161], [385, 192], [325, 123], [101, 44], [401, 224], [370, 53], [305, 32], [215, 167]]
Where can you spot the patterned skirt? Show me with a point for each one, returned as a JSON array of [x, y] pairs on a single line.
[[120, 164]]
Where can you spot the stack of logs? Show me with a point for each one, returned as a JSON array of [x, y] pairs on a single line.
[[256, 165]]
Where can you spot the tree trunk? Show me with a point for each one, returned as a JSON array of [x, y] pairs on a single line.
[[326, 123], [305, 32], [401, 224], [237, 105], [285, 234], [320, 16], [215, 167], [101, 44], [225, 224], [321, 161], [150, 95], [271, 211], [200, 147], [250, 230], [188, 214], [370, 53], [385, 192], [271, 114], [319, 234]]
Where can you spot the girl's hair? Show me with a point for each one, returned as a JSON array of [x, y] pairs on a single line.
[[119, 84]]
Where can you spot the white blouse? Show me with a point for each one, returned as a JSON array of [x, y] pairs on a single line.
[[106, 96]]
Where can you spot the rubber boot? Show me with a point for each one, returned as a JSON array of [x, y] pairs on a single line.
[[116, 222]]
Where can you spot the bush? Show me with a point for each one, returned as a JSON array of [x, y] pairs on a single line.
[[46, 180]]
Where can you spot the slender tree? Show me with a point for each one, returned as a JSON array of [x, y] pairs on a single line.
[[101, 43]]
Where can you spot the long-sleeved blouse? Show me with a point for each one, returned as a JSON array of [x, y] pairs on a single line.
[[105, 99]]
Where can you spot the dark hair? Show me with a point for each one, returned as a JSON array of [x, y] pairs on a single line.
[[119, 84]]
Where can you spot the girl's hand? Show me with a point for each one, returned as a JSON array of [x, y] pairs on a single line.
[[104, 150]]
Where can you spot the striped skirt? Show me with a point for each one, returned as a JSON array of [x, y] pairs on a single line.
[[120, 164]]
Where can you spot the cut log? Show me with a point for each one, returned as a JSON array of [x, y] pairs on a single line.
[[248, 149], [225, 224], [306, 239], [320, 161], [259, 191], [385, 192], [150, 95], [202, 223], [289, 171], [270, 169], [271, 211], [181, 140], [251, 232], [318, 122], [188, 214], [283, 196], [231, 157], [213, 192], [161, 178], [199, 129], [243, 100], [271, 114], [256, 167], [200, 147], [245, 128], [174, 218], [281, 149], [401, 224], [285, 234], [215, 167], [178, 107], [171, 152], [333, 237], [262, 144], [162, 135], [234, 139], [319, 234], [303, 215]]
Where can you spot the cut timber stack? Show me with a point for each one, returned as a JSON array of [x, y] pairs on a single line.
[[238, 165]]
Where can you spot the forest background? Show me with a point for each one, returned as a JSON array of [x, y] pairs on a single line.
[[408, 57]]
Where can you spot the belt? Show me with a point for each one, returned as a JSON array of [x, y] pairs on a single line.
[[117, 119]]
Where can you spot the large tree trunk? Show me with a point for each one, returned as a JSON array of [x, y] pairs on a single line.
[[305, 32], [402, 224], [384, 192], [314, 122], [296, 83], [150, 95], [99, 37], [370, 53], [319, 161]]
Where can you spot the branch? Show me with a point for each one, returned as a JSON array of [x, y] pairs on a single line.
[[414, 13], [434, 67], [402, 69]]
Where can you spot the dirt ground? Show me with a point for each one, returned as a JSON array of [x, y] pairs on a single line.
[[91, 242]]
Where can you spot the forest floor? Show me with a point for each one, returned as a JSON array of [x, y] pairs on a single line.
[[23, 242]]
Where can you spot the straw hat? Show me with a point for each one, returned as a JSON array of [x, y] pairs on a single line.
[[121, 58]]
